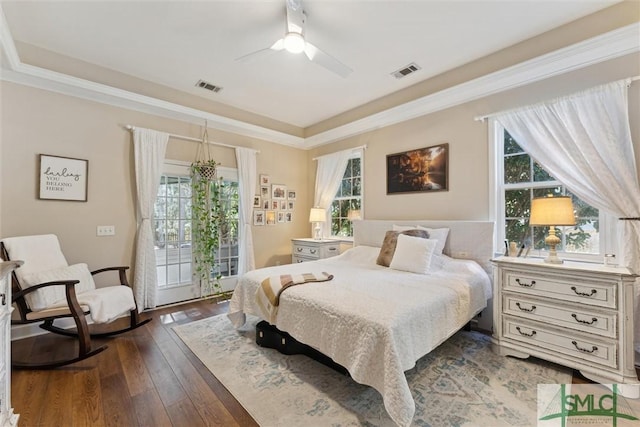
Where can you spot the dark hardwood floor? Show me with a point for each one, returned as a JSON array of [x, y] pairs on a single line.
[[147, 377]]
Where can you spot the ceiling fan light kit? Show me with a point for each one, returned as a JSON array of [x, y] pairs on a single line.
[[294, 42]]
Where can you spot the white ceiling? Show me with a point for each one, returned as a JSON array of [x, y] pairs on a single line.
[[177, 43]]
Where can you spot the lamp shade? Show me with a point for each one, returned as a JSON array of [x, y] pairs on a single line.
[[552, 211], [353, 214], [317, 215]]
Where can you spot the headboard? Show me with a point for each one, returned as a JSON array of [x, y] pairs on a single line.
[[467, 239]]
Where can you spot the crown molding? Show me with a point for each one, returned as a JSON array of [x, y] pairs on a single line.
[[598, 49], [608, 46]]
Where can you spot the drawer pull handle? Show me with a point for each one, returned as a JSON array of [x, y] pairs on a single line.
[[584, 350], [332, 248], [584, 294], [525, 333], [529, 310], [586, 322], [313, 251], [299, 249], [4, 299], [526, 285]]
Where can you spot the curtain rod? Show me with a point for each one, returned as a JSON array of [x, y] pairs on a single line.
[[363, 147], [485, 117], [189, 138]]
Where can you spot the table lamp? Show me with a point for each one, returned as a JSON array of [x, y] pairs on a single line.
[[551, 212], [317, 216], [353, 214]]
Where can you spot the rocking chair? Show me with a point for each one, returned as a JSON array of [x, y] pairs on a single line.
[[46, 288]]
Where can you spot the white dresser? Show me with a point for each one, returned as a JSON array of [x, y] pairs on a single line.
[[310, 249], [7, 417], [578, 315]]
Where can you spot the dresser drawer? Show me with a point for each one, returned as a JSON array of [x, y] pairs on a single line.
[[602, 294], [581, 319], [295, 259], [307, 251], [574, 345]]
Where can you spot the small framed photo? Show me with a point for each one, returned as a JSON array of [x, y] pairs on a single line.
[[283, 205], [266, 204], [278, 192], [290, 205], [265, 192], [281, 217], [265, 179], [288, 216], [291, 195], [258, 217], [275, 205], [256, 202], [270, 217], [63, 178]]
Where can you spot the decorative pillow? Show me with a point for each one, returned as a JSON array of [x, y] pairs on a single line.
[[439, 234], [54, 296], [389, 244], [413, 254]]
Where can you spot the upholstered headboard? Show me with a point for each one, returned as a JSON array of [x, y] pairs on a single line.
[[467, 239]]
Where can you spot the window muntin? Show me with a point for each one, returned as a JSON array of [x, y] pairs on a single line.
[[348, 197], [524, 179]]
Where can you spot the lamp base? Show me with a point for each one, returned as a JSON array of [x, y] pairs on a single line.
[[552, 240], [316, 232]]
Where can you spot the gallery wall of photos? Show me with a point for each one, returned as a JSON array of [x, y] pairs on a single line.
[[275, 203]]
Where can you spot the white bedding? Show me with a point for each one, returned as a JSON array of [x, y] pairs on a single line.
[[373, 320]]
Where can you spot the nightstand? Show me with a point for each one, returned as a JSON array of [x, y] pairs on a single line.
[[303, 250], [578, 315]]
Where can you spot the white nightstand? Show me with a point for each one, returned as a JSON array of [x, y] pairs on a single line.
[[575, 314], [310, 249]]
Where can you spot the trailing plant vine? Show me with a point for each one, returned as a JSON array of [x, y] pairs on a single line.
[[206, 219]]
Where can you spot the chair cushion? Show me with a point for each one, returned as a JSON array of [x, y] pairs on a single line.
[[54, 296], [108, 303], [39, 253]]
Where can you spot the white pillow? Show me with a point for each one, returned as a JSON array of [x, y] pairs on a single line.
[[55, 296], [413, 254], [439, 234]]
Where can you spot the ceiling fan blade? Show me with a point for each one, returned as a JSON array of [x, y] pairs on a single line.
[[278, 45], [326, 61], [295, 17]]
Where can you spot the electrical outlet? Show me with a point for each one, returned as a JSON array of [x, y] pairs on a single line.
[[106, 230]]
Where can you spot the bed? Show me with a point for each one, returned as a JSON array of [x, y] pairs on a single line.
[[377, 321]]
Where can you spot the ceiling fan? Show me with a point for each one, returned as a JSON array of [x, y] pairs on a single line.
[[294, 42]]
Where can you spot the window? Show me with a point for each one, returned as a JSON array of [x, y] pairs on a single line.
[[348, 197], [520, 179], [172, 228]]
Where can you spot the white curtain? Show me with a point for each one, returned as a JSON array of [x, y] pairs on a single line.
[[584, 140], [329, 175], [246, 159], [149, 150]]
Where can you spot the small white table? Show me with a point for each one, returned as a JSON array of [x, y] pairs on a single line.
[[306, 249]]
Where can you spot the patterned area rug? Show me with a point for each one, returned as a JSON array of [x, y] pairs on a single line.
[[460, 383]]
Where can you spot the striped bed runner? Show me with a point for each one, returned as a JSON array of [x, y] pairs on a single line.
[[269, 291]]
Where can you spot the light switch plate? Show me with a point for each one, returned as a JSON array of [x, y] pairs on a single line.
[[106, 230]]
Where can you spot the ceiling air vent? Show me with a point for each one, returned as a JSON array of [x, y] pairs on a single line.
[[403, 72], [208, 86]]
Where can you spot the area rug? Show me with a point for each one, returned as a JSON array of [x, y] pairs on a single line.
[[461, 383]]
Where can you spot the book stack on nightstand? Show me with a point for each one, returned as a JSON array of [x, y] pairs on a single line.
[[303, 250], [578, 315]]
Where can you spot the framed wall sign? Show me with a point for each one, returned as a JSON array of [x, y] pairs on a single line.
[[63, 178], [421, 170]]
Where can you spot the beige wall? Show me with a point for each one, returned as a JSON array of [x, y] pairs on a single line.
[[468, 195], [35, 121]]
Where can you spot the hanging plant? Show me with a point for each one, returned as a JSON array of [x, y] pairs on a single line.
[[206, 218]]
